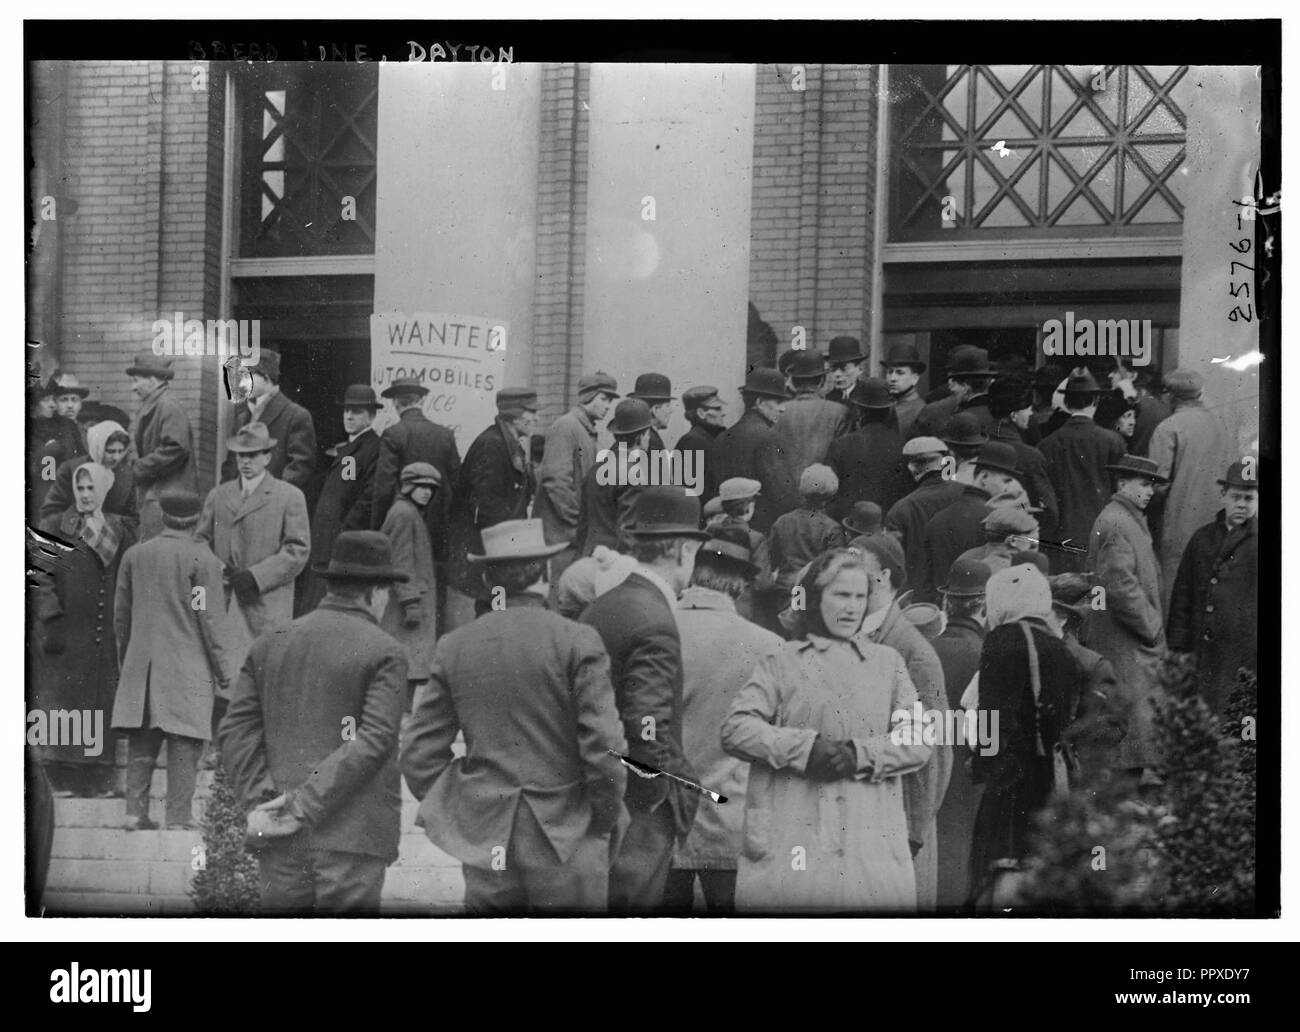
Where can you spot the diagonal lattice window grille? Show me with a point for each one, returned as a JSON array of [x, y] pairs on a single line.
[[1036, 150]]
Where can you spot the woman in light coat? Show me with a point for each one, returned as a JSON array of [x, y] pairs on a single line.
[[827, 726]]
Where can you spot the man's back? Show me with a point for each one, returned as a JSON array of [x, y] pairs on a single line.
[[414, 438], [807, 427]]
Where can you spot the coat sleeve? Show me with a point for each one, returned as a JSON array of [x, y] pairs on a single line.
[[489, 478], [651, 670], [434, 725], [1126, 602], [122, 597], [383, 487], [598, 726], [750, 731], [1045, 493], [288, 561], [173, 449], [401, 532], [241, 736], [211, 621], [1180, 628], [357, 517], [901, 750], [557, 473], [924, 789], [776, 477], [337, 777], [301, 449]]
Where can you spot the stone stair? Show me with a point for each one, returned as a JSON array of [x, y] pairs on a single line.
[[98, 868]]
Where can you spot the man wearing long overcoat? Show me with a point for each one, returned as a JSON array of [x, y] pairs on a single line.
[[164, 444], [869, 461], [754, 448], [810, 423]]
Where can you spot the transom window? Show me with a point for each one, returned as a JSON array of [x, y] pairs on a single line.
[[1037, 150]]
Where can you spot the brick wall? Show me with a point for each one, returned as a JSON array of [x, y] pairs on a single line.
[[143, 165], [811, 257]]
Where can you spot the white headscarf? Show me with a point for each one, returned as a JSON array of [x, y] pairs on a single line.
[[97, 440], [96, 531], [1019, 593]]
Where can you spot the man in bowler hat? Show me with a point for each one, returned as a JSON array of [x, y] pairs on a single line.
[[656, 390], [902, 369], [753, 448], [847, 361], [869, 461], [809, 422]]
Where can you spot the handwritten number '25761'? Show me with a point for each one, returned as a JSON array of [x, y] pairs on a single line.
[[1235, 289]]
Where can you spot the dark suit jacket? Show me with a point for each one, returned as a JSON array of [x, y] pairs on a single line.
[[344, 504], [1077, 456], [908, 517], [531, 692], [303, 686], [1034, 478], [293, 459], [753, 448], [697, 438], [640, 634], [869, 463], [950, 532], [415, 438]]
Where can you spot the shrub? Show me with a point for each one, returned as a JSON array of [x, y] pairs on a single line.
[[227, 882]]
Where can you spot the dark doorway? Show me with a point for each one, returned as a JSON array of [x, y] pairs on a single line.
[[1010, 348]]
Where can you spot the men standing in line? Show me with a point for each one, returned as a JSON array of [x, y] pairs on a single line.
[[902, 371], [347, 494], [635, 622], [1078, 456], [869, 461], [656, 390], [1011, 404], [569, 455], [1190, 449], [706, 413], [310, 741], [809, 422], [846, 359], [1129, 629], [754, 449], [529, 816], [605, 509], [969, 374], [719, 651], [164, 446], [1214, 608], [294, 458], [906, 519]]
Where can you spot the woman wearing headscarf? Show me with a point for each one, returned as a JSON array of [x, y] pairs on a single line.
[[1031, 682], [412, 613], [78, 649], [108, 444], [827, 726]]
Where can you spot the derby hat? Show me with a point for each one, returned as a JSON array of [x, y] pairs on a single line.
[[1081, 381], [148, 364], [631, 416], [963, 429], [513, 541], [254, 437], [807, 365], [1137, 466], [845, 349], [180, 504], [967, 578], [360, 395], [595, 383], [404, 385], [871, 393], [1236, 475], [666, 511], [66, 383], [969, 362], [361, 555], [865, 518], [785, 360], [903, 355], [654, 388], [698, 397], [1000, 456], [738, 489], [766, 383]]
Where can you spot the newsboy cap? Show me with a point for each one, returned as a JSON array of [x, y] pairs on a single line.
[[818, 479], [1184, 384], [923, 446], [1010, 519], [697, 397], [148, 364], [595, 383], [418, 473], [738, 489], [516, 399]]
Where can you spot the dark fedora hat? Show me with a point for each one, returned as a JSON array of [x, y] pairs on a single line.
[[809, 364], [1137, 466], [845, 349], [404, 385], [963, 429], [1081, 381], [871, 393], [360, 395], [967, 578], [631, 416], [180, 504], [666, 511], [268, 364], [767, 383], [254, 437], [1236, 475], [730, 547], [998, 455], [903, 355], [652, 387], [969, 362], [865, 518], [148, 364], [361, 555]]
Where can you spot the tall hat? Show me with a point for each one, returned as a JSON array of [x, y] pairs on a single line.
[[360, 395], [654, 388], [515, 541], [808, 364], [845, 349], [1137, 466], [595, 383], [361, 555], [404, 385], [1236, 475], [666, 511], [871, 393], [766, 383], [148, 364], [631, 416], [903, 355], [254, 437]]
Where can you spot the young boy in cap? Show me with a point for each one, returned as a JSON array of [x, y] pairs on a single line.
[[799, 537], [412, 613], [706, 412], [737, 498]]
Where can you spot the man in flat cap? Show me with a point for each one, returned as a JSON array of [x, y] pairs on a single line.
[[348, 491], [1009, 529], [496, 484], [706, 412], [529, 816], [164, 444], [810, 423], [754, 449], [656, 390], [869, 461], [930, 467], [1191, 450], [294, 457], [1077, 456], [1214, 608], [310, 742], [568, 456], [902, 369]]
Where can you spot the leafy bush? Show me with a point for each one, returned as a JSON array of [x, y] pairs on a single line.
[[227, 883]]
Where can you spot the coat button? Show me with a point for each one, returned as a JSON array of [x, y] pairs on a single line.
[[1214, 580], [1209, 609]]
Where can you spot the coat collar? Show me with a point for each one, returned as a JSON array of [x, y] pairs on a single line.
[[1233, 536], [527, 600], [275, 404], [963, 626], [1132, 510], [580, 414], [343, 605], [886, 626], [259, 498], [819, 643], [414, 412]]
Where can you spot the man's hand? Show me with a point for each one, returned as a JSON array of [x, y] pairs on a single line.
[[830, 760], [244, 585], [411, 613], [270, 821]]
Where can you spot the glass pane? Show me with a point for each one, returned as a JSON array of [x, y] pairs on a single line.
[[1138, 96], [1029, 183], [1160, 121], [1084, 125]]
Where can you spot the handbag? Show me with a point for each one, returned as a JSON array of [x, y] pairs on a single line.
[[1063, 762]]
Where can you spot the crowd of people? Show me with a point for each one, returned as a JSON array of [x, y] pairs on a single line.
[[657, 694]]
